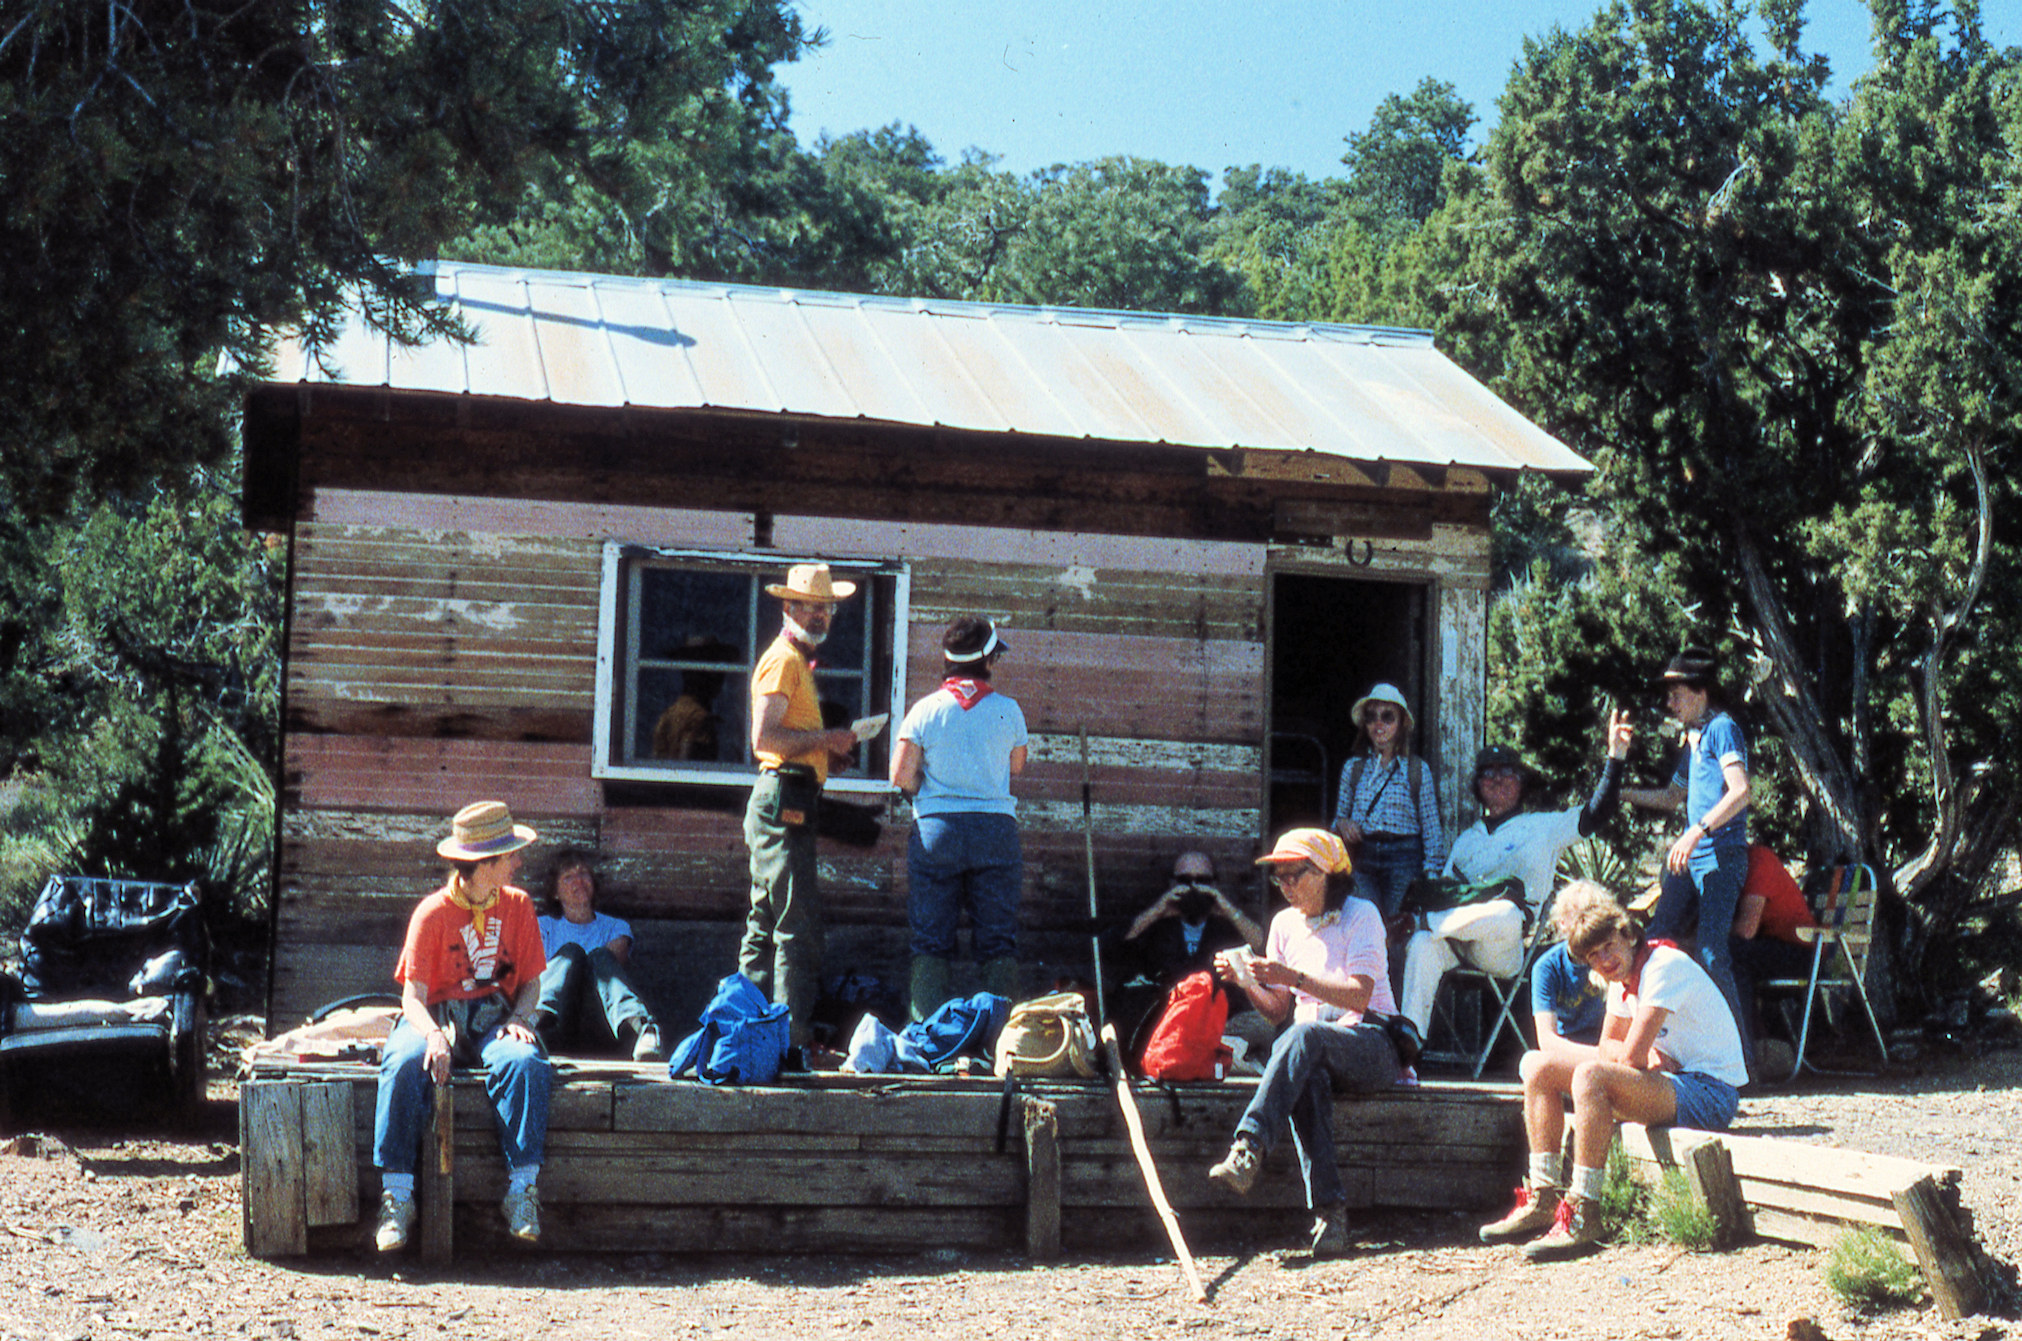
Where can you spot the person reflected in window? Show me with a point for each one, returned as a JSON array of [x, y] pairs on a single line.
[[690, 728]]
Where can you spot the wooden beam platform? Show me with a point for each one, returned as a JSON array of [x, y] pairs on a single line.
[[836, 1163]]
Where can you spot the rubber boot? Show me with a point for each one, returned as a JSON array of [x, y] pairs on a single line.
[[929, 985], [1001, 977]]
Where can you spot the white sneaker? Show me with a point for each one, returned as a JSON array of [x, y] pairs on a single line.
[[523, 1214], [396, 1222], [646, 1048], [1238, 1169]]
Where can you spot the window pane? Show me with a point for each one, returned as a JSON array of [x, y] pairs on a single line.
[[845, 646], [694, 615], [692, 716]]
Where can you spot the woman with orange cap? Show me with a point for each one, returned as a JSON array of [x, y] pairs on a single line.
[[1325, 965]]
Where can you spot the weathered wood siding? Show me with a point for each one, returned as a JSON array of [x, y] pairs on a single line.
[[445, 649]]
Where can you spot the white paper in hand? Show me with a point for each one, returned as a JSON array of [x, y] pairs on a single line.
[[864, 728]]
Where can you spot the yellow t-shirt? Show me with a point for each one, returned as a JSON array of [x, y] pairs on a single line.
[[783, 670]]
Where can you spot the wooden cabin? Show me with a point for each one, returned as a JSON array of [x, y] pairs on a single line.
[[1204, 539]]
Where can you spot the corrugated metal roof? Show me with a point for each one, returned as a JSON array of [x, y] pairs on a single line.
[[1369, 394]]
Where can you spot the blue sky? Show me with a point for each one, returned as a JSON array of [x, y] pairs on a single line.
[[1211, 83]]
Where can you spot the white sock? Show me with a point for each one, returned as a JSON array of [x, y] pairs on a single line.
[[522, 1178], [400, 1185], [1546, 1170], [1587, 1182]]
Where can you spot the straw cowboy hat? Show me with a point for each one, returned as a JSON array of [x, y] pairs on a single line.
[[811, 582], [1382, 693], [483, 830]]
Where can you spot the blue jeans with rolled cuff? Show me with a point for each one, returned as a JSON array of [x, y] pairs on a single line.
[[517, 1078], [1310, 1063], [973, 859]]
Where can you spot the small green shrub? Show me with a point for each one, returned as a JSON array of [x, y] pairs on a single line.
[[1621, 1201], [1673, 1214], [1866, 1267]]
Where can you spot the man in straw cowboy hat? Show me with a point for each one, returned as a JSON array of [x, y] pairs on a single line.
[[783, 934], [470, 980]]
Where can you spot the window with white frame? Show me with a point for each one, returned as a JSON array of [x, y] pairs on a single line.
[[680, 633]]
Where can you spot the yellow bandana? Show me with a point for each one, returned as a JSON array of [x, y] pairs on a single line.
[[477, 911]]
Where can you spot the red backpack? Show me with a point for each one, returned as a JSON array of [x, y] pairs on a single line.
[[1186, 1044]]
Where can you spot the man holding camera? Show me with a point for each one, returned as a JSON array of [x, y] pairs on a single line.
[[1181, 933]]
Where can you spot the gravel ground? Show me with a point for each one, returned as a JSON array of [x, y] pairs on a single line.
[[136, 1234]]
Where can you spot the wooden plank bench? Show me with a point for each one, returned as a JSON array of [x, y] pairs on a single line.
[[835, 1163], [1812, 1194]]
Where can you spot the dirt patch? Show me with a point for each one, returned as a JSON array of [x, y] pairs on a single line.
[[137, 1234]]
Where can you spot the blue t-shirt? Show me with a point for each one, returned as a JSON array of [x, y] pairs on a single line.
[[1570, 993], [595, 934], [965, 753], [1700, 773]]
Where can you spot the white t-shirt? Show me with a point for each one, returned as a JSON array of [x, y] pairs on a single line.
[[1527, 846], [1699, 1033], [1333, 945], [594, 934]]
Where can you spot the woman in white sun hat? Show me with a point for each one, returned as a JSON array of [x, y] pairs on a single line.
[[1386, 808]]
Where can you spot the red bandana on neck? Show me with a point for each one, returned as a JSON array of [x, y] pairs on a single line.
[[1634, 985], [967, 692]]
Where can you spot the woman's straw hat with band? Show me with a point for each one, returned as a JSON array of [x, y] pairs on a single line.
[[811, 582], [483, 830]]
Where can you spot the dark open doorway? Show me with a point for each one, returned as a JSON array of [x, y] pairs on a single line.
[[1332, 638]]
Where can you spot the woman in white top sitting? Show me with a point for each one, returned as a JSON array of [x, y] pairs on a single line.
[[1669, 1055]]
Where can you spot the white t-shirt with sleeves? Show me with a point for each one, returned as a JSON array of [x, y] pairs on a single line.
[[1699, 1032]]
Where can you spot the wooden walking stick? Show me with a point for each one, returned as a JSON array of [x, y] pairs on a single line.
[[1094, 917], [1134, 1122]]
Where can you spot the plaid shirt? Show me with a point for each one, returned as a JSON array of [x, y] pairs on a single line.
[[1382, 804]]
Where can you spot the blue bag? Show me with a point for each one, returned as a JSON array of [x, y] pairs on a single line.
[[964, 1025], [742, 1041]]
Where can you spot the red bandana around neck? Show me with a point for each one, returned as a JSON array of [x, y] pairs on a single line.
[[967, 692], [1634, 985]]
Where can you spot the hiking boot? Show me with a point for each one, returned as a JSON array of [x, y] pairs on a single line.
[[396, 1222], [1574, 1232], [646, 1047], [1238, 1169], [523, 1213], [1532, 1216], [1330, 1232]]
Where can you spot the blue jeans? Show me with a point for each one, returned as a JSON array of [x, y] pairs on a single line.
[[573, 979], [516, 1080], [1701, 905], [968, 858], [1309, 1062], [1384, 866]]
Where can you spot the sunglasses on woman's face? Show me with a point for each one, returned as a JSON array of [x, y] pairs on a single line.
[[1291, 874], [1388, 716]]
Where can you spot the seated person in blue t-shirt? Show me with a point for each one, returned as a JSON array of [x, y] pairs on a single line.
[[1568, 1005], [588, 1004]]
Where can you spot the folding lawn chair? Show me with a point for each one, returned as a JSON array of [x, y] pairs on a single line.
[[1505, 997], [1844, 904]]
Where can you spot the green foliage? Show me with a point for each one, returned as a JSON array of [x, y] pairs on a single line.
[[1673, 1214], [1782, 330], [1396, 168], [163, 637], [1866, 1267], [1620, 1205], [181, 179]]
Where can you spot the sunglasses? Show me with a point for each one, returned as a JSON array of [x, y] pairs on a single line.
[[1387, 715], [1291, 874], [1500, 773]]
